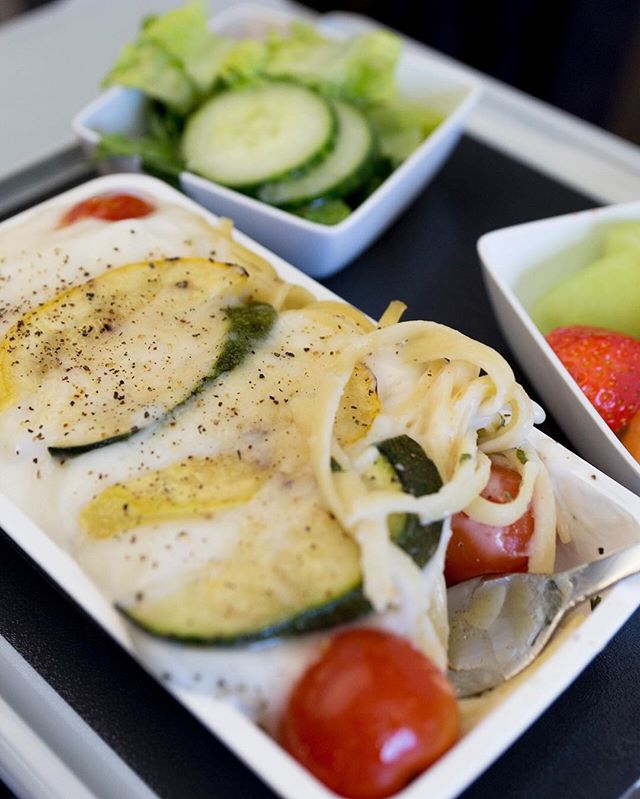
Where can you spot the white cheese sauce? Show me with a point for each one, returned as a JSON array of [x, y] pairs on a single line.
[[37, 260], [250, 411], [259, 411]]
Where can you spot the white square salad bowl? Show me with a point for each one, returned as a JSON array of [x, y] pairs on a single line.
[[320, 250], [521, 263], [601, 512]]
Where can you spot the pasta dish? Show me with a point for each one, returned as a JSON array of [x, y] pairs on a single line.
[[245, 470]]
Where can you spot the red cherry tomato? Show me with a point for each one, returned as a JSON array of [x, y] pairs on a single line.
[[109, 207], [369, 715], [476, 549]]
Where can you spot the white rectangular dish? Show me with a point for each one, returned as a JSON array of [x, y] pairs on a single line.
[[522, 263], [320, 250], [605, 513]]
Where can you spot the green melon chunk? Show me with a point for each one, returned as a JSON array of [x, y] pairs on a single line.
[[605, 294]]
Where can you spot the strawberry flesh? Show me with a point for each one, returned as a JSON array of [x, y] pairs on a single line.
[[606, 366]]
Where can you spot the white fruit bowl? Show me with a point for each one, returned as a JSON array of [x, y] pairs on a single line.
[[521, 264]]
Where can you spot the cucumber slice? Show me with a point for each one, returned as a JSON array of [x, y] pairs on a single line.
[[341, 172], [242, 138], [284, 582]]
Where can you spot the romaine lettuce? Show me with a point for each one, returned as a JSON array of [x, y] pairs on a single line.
[[179, 62], [147, 67], [361, 69], [400, 126]]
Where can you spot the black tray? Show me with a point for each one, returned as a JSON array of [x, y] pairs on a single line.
[[587, 746]]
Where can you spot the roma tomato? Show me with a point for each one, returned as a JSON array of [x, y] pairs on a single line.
[[477, 549], [109, 207], [369, 715]]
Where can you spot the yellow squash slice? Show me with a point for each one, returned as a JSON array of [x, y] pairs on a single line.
[[359, 406], [191, 488]]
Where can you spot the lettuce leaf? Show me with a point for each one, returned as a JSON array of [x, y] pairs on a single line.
[[158, 149], [227, 62], [178, 32], [360, 69], [325, 212], [400, 126], [178, 60], [149, 68]]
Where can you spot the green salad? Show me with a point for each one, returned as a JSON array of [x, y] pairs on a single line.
[[299, 121]]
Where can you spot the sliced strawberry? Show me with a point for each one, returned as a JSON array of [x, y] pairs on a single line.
[[606, 366]]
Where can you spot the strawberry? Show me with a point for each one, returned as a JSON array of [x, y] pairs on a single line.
[[606, 366]]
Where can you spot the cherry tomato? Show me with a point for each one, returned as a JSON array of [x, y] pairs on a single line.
[[476, 549], [369, 715], [110, 207]]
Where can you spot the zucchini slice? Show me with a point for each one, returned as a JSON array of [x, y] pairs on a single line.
[[105, 359], [340, 173], [244, 137], [244, 326], [283, 582]]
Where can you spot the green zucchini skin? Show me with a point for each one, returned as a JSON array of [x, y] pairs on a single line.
[[416, 472], [340, 610], [418, 476], [72, 452], [248, 324]]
